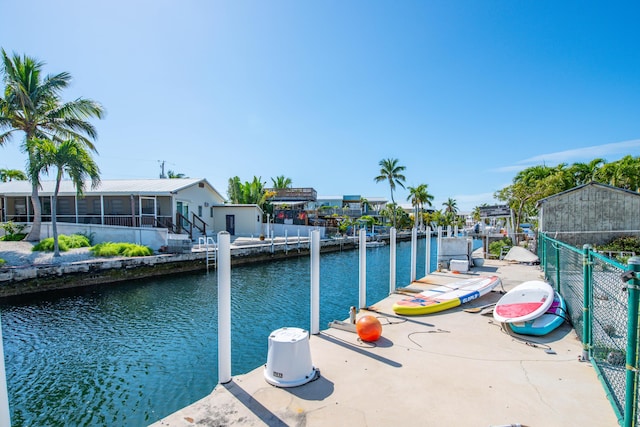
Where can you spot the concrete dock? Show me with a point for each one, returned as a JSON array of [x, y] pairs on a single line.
[[452, 368]]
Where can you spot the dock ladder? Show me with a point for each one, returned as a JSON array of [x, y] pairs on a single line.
[[211, 250]]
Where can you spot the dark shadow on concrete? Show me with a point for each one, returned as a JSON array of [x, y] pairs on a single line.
[[318, 389], [361, 350], [260, 411], [483, 269]]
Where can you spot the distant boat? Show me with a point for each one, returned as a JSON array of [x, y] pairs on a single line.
[[376, 243]]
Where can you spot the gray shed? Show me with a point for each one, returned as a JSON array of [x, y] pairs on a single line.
[[592, 213]]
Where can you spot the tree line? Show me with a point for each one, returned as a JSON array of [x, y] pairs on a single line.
[[538, 182]]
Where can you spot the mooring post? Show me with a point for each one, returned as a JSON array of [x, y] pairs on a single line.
[[224, 307], [314, 253], [362, 296], [414, 249], [5, 415], [427, 261], [392, 260]]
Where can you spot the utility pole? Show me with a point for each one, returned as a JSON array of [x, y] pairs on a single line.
[[162, 162]]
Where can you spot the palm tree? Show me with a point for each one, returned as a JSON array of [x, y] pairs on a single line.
[[391, 172], [11, 174], [252, 192], [281, 182], [69, 157], [31, 103], [450, 206], [419, 196], [586, 172]]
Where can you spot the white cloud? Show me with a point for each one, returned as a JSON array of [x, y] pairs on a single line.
[[574, 156], [586, 153]]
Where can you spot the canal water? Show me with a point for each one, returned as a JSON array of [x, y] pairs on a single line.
[[132, 353]]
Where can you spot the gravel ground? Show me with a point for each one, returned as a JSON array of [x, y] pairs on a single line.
[[16, 254]]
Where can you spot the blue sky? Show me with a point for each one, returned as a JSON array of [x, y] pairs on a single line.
[[464, 93]]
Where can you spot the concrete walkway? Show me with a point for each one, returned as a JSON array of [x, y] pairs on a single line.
[[449, 369]]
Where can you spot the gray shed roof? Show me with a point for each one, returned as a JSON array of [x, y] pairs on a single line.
[[589, 184], [108, 187]]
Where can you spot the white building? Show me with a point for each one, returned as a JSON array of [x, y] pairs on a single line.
[[146, 211]]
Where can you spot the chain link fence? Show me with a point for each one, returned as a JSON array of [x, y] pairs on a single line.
[[598, 308]]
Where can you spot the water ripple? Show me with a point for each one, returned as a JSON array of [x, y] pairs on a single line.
[[131, 353]]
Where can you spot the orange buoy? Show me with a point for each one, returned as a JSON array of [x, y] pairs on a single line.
[[368, 328]]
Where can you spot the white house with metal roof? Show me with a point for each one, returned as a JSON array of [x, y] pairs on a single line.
[[145, 211]]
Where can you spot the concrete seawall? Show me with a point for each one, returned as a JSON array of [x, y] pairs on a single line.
[[41, 278]]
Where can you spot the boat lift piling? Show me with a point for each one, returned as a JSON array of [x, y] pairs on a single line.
[[362, 299], [224, 307], [392, 260], [427, 242], [414, 249], [5, 414], [315, 282]]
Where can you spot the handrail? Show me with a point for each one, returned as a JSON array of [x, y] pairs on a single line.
[[203, 227], [180, 221]]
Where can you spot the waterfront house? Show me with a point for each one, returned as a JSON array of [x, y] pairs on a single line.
[[147, 211], [592, 213]]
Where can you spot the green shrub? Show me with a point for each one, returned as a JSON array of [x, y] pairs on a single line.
[[105, 249], [495, 248], [64, 243], [46, 245], [136, 250], [2, 262], [13, 232], [76, 241], [622, 244], [88, 235], [13, 237], [108, 249]]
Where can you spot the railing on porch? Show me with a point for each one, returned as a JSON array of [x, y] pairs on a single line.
[[183, 224], [200, 224], [602, 301], [118, 220]]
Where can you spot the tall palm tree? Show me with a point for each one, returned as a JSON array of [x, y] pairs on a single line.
[[31, 103], [586, 172], [391, 172], [450, 206], [419, 196], [281, 182], [11, 174], [70, 157]]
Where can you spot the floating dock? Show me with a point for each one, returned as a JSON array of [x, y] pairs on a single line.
[[452, 368]]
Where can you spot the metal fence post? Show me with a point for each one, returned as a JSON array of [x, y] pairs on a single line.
[[557, 248], [542, 244], [586, 303], [630, 399]]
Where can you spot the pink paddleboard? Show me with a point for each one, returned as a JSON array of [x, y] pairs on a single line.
[[526, 301]]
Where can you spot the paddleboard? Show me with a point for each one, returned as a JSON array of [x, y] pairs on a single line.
[[446, 296], [526, 301], [546, 323]]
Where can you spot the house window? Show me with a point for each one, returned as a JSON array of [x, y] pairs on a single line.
[[211, 212], [200, 211]]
